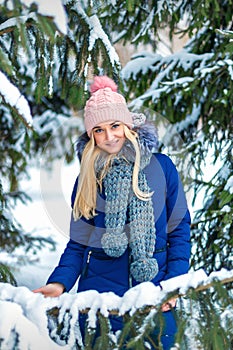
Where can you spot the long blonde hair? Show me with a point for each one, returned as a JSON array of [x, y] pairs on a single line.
[[85, 200]]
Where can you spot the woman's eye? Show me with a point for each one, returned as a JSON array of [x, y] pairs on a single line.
[[115, 126], [97, 131]]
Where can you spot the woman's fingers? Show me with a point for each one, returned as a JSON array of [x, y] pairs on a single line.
[[169, 305], [50, 290]]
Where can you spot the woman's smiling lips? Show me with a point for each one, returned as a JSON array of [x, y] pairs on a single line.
[[112, 143]]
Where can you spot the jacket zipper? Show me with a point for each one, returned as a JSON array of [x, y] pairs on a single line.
[[89, 256], [85, 270]]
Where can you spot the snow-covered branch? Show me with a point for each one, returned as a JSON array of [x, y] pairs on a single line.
[[12, 96], [97, 33], [8, 25], [30, 319]]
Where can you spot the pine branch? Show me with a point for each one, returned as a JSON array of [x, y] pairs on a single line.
[[209, 285], [209, 219], [139, 319], [55, 311], [9, 25], [17, 112], [6, 276]]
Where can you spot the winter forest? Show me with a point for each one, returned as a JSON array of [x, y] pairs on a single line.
[[173, 60]]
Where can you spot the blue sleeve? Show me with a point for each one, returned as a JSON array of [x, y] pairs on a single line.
[[69, 267], [178, 224]]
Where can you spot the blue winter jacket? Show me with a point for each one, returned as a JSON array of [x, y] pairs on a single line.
[[83, 257]]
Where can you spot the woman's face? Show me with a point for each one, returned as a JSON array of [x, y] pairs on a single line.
[[109, 136]]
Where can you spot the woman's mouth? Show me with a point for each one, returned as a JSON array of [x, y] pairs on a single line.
[[112, 143]]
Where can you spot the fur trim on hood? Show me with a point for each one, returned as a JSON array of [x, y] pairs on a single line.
[[148, 139]]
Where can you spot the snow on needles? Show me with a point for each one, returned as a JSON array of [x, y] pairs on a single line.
[[14, 98], [97, 33], [24, 314]]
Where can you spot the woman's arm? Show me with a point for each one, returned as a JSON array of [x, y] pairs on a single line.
[[66, 273], [69, 267], [178, 225]]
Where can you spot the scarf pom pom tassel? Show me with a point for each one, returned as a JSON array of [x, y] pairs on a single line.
[[144, 269], [114, 245]]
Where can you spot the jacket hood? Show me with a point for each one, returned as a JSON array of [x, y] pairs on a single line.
[[147, 134]]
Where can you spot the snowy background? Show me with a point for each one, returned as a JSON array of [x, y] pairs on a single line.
[[48, 214]]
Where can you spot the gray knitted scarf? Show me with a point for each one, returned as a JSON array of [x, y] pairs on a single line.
[[123, 210]]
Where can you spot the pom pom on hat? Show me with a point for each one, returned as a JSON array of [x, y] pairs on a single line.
[[105, 104], [102, 82]]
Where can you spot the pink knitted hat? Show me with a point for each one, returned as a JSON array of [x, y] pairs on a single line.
[[105, 104]]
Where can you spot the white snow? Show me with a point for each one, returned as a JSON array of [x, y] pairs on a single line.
[[164, 66], [180, 81], [97, 32], [14, 98], [141, 62], [25, 312], [145, 26], [23, 317]]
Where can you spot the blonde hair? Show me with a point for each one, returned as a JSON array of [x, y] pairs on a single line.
[[85, 200]]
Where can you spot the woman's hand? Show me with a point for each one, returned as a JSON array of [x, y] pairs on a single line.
[[51, 290], [169, 305]]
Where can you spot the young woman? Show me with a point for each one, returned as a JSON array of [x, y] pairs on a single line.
[[130, 221]]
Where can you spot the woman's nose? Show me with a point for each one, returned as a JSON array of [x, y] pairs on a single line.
[[108, 135]]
